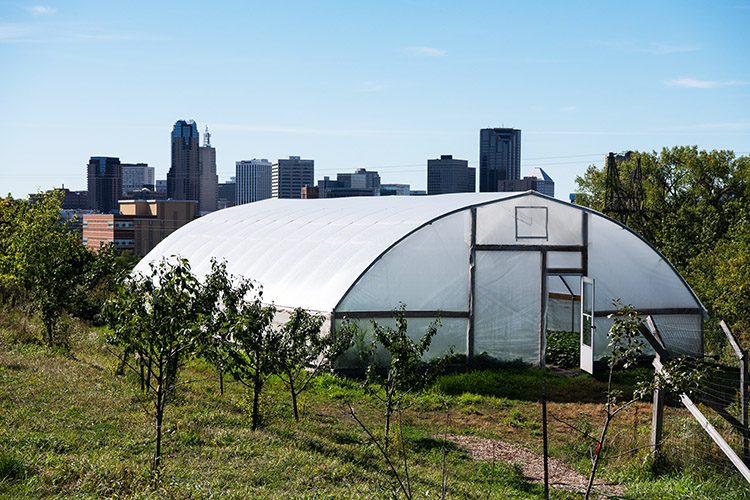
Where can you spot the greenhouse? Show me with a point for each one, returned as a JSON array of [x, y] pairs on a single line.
[[500, 270]]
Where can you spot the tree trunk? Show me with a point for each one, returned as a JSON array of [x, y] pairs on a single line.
[[599, 447], [221, 382], [159, 418], [387, 430], [257, 386], [49, 326], [294, 397]]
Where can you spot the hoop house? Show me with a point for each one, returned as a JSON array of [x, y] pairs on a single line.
[[499, 269]]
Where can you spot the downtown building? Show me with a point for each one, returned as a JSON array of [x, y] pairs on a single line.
[[209, 180], [136, 176], [138, 225], [537, 180], [252, 180], [499, 157], [192, 175], [104, 182], [183, 178], [288, 176], [227, 194], [450, 175], [360, 183]]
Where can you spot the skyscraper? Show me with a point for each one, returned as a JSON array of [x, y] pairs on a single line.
[[253, 180], [450, 175], [209, 181], [499, 157], [104, 183], [289, 175], [183, 178]]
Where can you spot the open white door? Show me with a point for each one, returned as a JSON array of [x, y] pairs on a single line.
[[587, 324]]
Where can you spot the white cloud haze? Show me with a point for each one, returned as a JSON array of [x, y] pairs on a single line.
[[425, 51], [41, 10]]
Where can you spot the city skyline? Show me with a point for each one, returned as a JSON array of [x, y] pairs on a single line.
[[366, 85]]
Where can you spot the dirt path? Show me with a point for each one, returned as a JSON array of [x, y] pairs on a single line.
[[560, 475]]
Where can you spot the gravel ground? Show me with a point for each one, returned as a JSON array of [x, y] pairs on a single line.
[[560, 476]]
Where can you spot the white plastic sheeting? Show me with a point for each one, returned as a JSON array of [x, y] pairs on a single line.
[[508, 305], [359, 255], [427, 271], [451, 336], [627, 268], [306, 253]]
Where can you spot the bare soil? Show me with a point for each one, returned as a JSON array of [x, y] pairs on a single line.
[[532, 464]]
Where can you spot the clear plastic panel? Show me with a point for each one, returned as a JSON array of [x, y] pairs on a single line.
[[627, 268], [427, 271], [508, 305], [563, 315], [681, 334], [563, 260], [451, 334]]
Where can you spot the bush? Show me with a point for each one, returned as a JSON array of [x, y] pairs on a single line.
[[563, 349]]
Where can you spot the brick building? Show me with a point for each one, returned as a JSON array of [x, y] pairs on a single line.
[[140, 226]]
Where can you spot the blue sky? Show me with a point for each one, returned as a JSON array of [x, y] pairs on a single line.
[[381, 85]]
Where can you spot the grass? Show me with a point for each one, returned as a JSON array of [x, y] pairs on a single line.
[[71, 428]]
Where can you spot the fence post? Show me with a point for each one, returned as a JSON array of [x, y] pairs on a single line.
[[657, 413], [742, 355], [651, 334]]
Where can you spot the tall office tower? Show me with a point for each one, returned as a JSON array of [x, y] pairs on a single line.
[[137, 176], [289, 175], [183, 178], [450, 175], [499, 157], [104, 183], [209, 191], [253, 180]]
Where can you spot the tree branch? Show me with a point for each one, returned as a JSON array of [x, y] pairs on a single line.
[[382, 451]]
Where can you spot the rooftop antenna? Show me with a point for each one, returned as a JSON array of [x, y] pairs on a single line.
[[207, 139]]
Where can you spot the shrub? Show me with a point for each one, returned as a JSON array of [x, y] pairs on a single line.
[[563, 349]]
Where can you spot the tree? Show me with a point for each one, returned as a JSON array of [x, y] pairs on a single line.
[[41, 259], [680, 375], [625, 346], [158, 316], [721, 277], [103, 273], [304, 350], [406, 372], [227, 298], [696, 204], [250, 344]]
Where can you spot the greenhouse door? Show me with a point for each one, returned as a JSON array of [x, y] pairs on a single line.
[[587, 324], [508, 307]]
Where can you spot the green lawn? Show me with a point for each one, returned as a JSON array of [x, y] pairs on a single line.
[[70, 428]]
